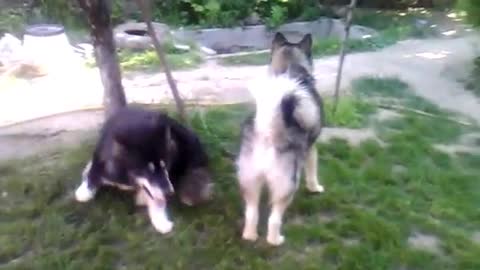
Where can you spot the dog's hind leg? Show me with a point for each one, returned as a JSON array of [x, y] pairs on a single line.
[[280, 199], [90, 183], [282, 184], [251, 188], [311, 171]]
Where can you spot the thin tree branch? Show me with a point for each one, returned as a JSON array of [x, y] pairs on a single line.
[[147, 17], [348, 23]]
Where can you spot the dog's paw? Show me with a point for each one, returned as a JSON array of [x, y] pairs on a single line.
[[84, 193], [250, 235], [275, 240], [316, 188], [163, 226]]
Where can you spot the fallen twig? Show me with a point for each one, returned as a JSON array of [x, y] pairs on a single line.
[[236, 54], [406, 109]]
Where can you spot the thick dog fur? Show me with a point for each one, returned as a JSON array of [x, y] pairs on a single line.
[[151, 154], [278, 140]]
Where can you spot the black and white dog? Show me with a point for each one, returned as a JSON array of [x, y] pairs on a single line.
[[151, 154], [278, 140]]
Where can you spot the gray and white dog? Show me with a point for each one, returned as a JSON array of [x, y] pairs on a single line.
[[278, 140]]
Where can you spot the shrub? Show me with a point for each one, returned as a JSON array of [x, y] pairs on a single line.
[[472, 9]]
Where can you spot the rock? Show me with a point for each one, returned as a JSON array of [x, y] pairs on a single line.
[[85, 49], [425, 242], [11, 50], [258, 37], [134, 35], [253, 19], [207, 51], [182, 47]]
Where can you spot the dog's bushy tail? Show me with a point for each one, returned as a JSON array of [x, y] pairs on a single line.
[[284, 99]]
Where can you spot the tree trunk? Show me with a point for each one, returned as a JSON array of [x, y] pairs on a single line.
[[145, 9], [98, 12]]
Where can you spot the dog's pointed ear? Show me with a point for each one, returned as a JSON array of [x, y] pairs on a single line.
[[306, 44], [278, 41]]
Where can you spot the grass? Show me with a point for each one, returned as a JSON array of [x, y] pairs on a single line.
[[12, 21], [351, 112], [393, 26], [391, 91], [473, 83], [377, 197], [147, 60], [257, 59], [330, 46]]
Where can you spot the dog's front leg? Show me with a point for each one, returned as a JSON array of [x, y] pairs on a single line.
[[90, 182], [141, 198], [158, 216]]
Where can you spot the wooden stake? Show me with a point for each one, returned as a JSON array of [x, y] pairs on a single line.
[[348, 23]]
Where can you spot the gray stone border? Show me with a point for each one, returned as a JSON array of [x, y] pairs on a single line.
[[238, 39]]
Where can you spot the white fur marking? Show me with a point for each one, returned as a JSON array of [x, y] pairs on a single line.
[[164, 168], [83, 193], [156, 192], [141, 198], [274, 237], [117, 185], [268, 93], [306, 113], [251, 221], [158, 217]]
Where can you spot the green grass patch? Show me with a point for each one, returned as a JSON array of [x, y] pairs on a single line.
[[330, 46], [12, 21], [351, 112], [258, 59], [392, 91], [147, 60], [376, 198], [473, 82], [395, 93], [393, 26]]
